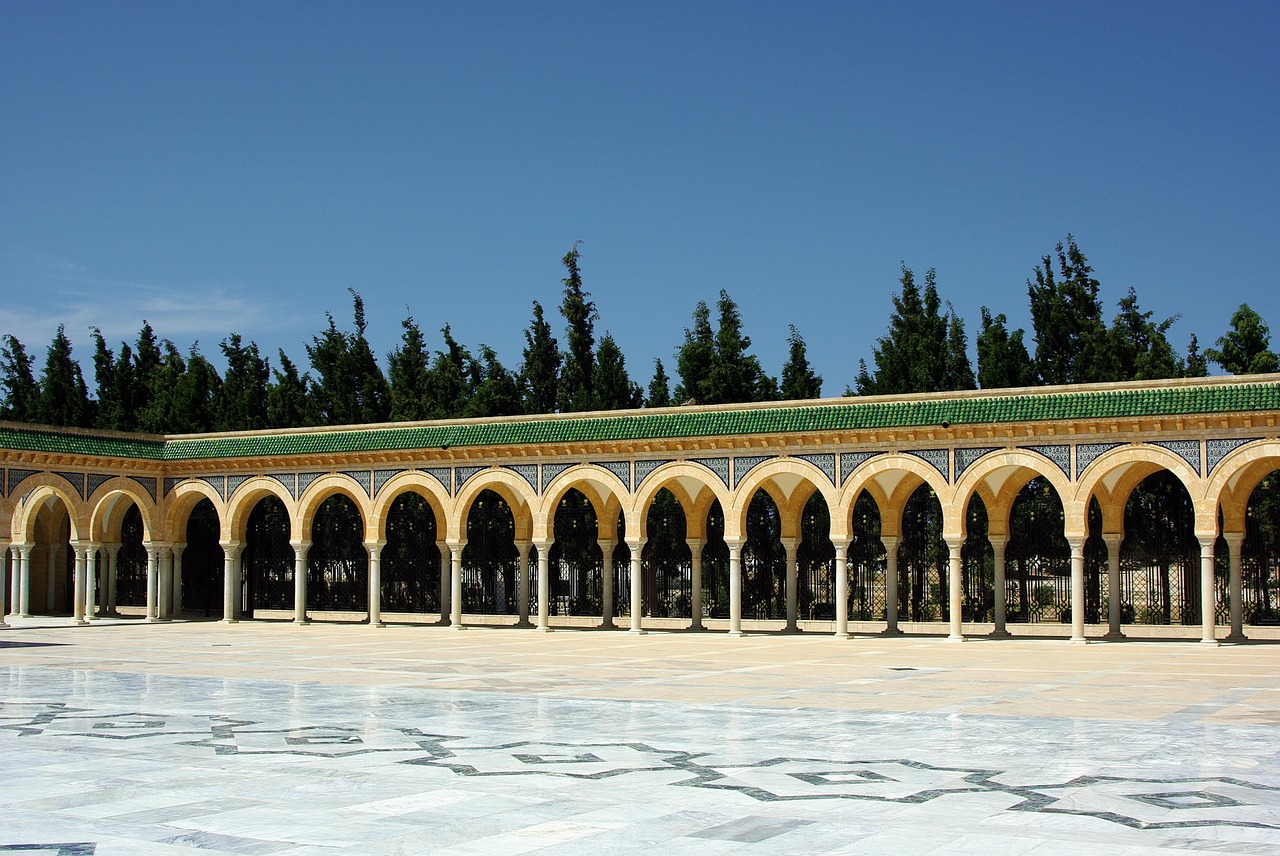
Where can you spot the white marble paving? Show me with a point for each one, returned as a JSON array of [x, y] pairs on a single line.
[[123, 763]]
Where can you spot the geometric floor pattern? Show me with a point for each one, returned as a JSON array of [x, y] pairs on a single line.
[[98, 762]]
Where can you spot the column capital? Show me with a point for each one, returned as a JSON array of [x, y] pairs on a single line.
[[637, 544], [1076, 543], [789, 544], [455, 544], [699, 542], [542, 543], [889, 542], [301, 543], [1113, 539], [91, 546], [375, 545], [1234, 540], [998, 542], [842, 551]]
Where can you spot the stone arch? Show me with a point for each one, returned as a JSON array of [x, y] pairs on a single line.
[[40, 489], [1114, 475], [1235, 478], [891, 479], [602, 488], [790, 481], [242, 502], [424, 486], [691, 483], [517, 493], [106, 511], [998, 477], [320, 490], [186, 496]]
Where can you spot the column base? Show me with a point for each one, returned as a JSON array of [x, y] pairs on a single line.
[[458, 627], [377, 624], [1211, 642], [999, 634], [80, 622], [155, 619], [638, 631], [842, 635], [608, 625], [1117, 636], [1235, 638], [230, 621], [697, 627], [736, 634], [3, 624], [545, 629], [302, 622], [790, 630], [524, 623], [955, 638], [1078, 640], [891, 631]]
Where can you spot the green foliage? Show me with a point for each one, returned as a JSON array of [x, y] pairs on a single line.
[[614, 388], [1246, 347], [577, 380], [540, 372], [1197, 364], [453, 378], [695, 358], [799, 381], [659, 388], [1140, 350], [289, 404], [21, 392], [64, 398], [242, 399], [715, 368], [410, 371], [1003, 361], [924, 350], [349, 387], [1071, 338], [497, 390]]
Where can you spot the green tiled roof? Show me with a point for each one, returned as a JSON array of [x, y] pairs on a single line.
[[671, 424]]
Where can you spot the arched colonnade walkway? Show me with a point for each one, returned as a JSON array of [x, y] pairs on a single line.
[[1100, 535]]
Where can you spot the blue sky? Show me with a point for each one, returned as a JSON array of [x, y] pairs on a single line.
[[228, 166]]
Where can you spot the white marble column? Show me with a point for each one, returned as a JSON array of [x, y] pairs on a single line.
[[1113, 542], [164, 591], [6, 563], [153, 581], [998, 545], [544, 585], [175, 606], [606, 583], [1208, 594], [20, 554], [522, 585], [1235, 543], [955, 585], [300, 550], [695, 583], [1077, 590], [113, 569], [375, 582], [891, 543], [791, 547], [77, 598], [455, 584], [230, 582], [842, 591], [91, 583], [637, 587], [735, 587], [446, 581]]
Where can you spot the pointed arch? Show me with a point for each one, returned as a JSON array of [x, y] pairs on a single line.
[[183, 499], [39, 490], [412, 481], [106, 511], [602, 488], [891, 479], [242, 502], [1114, 475], [688, 482], [790, 482], [998, 477]]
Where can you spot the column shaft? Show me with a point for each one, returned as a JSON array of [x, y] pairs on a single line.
[[956, 586], [1235, 543], [637, 587], [375, 583], [7, 562], [998, 544], [153, 581], [175, 607], [695, 583], [230, 582], [1113, 543], [891, 584], [77, 603], [446, 580], [790, 545], [842, 591], [522, 585], [1208, 599], [544, 586], [300, 550], [455, 586], [735, 589], [606, 583], [91, 583], [113, 560], [1077, 589], [164, 576]]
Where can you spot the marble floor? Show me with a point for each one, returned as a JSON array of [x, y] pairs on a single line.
[[191, 737]]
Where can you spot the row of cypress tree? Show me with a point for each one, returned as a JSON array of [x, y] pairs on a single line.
[[152, 386]]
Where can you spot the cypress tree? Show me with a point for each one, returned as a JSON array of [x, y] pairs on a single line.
[[923, 350], [1246, 347], [798, 378], [540, 372], [288, 401], [497, 393], [695, 358], [195, 402], [368, 384], [454, 376], [1197, 365], [1140, 349], [1066, 313], [614, 387], [409, 368], [64, 398], [659, 388], [1003, 361], [577, 380], [21, 392], [330, 391], [242, 398]]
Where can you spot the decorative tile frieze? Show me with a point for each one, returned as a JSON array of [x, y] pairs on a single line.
[[76, 479], [1216, 450], [234, 482], [940, 459], [218, 483], [850, 461], [826, 463], [149, 484], [95, 481], [967, 457], [289, 480], [621, 469], [1087, 453], [305, 480], [444, 475], [1188, 450], [171, 483], [528, 472], [549, 473], [719, 466], [364, 478], [1060, 455], [745, 464], [381, 477], [462, 475], [644, 468]]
